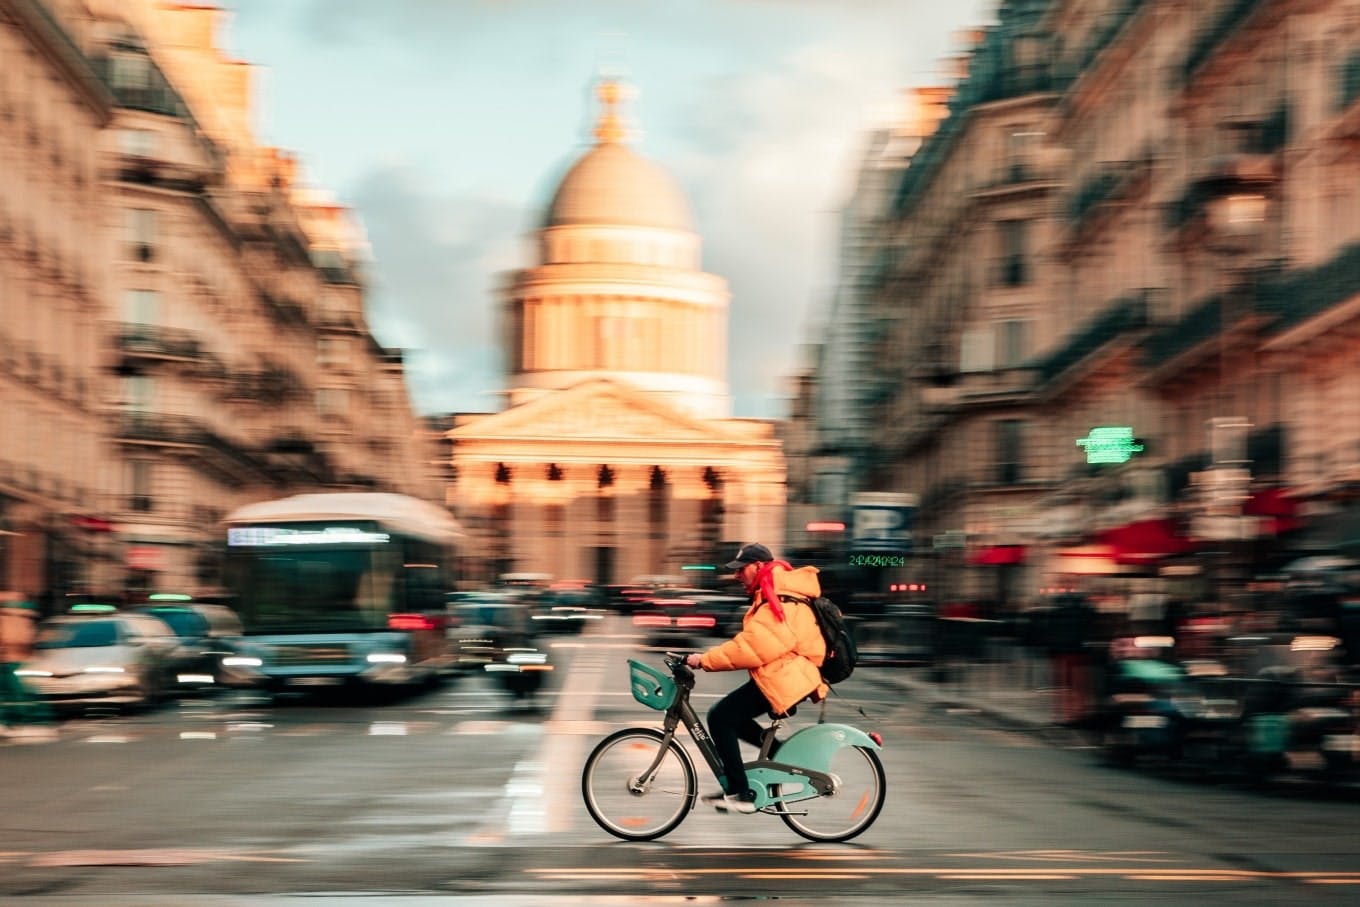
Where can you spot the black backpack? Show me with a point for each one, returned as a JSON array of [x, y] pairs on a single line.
[[841, 652]]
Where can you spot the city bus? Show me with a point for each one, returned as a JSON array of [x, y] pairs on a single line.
[[339, 589]]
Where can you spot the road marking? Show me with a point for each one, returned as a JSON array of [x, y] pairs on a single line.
[[1131, 873], [1048, 856], [149, 857]]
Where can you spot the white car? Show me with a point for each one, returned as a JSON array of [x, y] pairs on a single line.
[[116, 659]]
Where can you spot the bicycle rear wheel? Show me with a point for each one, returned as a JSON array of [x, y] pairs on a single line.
[[624, 803], [850, 808]]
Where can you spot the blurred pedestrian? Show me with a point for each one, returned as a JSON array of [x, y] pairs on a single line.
[[1070, 627], [781, 646], [22, 714]]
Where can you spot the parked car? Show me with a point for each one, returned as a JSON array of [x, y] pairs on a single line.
[[118, 659], [206, 632]]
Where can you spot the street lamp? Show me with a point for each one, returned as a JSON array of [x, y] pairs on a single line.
[[1236, 220]]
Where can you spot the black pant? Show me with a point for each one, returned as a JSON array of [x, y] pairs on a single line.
[[733, 719]]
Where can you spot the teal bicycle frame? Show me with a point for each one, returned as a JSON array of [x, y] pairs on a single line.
[[801, 772]]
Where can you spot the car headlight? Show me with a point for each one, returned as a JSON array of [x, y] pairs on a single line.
[[391, 658], [32, 672], [241, 661]]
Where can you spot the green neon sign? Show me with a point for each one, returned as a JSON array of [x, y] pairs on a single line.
[[698, 567], [1110, 444]]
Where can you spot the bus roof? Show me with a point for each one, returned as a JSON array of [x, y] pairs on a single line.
[[397, 512]]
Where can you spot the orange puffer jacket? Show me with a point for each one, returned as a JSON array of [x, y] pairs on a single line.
[[782, 656]]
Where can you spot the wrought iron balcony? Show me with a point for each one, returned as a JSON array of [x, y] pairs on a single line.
[[157, 342], [1229, 18], [340, 276], [1069, 71], [1122, 318], [1253, 298], [1296, 296], [157, 428]]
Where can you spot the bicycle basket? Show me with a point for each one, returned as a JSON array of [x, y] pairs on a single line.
[[651, 687]]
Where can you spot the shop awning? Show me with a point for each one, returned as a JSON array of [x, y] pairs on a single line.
[[998, 555], [1144, 541], [1087, 560], [1280, 512]]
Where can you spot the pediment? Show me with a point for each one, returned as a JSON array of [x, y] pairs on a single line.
[[596, 410]]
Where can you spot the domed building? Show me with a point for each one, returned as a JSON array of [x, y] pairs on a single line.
[[617, 455]]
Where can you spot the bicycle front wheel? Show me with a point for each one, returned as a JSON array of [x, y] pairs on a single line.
[[849, 809], [628, 800]]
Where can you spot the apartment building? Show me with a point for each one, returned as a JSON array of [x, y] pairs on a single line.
[[215, 351], [54, 277], [1164, 333]]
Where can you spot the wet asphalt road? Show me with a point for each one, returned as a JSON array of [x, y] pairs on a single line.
[[461, 795]]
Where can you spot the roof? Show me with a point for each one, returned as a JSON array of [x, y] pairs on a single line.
[[398, 512], [612, 185]]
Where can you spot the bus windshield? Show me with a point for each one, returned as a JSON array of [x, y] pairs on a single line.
[[315, 588]]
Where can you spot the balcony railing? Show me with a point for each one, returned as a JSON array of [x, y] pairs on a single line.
[[1112, 180], [1252, 297], [1124, 316], [284, 311], [157, 428], [1070, 70], [157, 341], [1218, 31], [1299, 295], [341, 276]]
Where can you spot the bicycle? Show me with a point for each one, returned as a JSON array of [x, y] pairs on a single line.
[[639, 783]]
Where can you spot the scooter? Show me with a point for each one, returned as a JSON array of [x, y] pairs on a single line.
[[520, 670], [1300, 723], [1175, 714]]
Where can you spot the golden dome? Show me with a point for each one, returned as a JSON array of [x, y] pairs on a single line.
[[613, 185]]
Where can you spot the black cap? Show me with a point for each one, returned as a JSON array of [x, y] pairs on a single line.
[[753, 553]]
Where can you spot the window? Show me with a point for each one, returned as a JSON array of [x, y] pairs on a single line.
[[1009, 451], [976, 350], [1014, 264], [1349, 87], [332, 402], [130, 71], [332, 351], [141, 474], [139, 393], [1020, 147], [1013, 344], [142, 307], [139, 230]]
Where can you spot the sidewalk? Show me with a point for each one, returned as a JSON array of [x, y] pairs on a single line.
[[1008, 685]]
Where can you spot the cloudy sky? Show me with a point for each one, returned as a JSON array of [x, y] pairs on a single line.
[[447, 124]]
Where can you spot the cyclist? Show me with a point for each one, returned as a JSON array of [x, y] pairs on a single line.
[[782, 647]]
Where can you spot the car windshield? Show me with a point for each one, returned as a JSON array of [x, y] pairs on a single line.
[[82, 635], [185, 623]]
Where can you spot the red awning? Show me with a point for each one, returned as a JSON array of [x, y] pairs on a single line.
[[1281, 512], [998, 555], [1144, 541]]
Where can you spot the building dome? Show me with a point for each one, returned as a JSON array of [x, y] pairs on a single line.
[[612, 185]]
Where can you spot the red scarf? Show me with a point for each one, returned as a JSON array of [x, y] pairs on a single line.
[[764, 581]]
